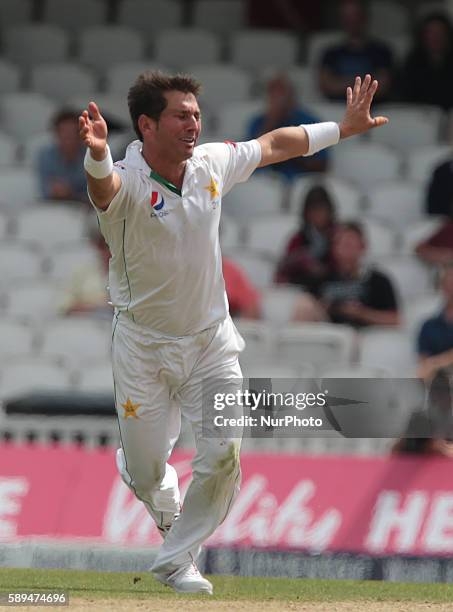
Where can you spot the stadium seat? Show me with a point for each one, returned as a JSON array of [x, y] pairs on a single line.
[[32, 301], [121, 75], [418, 310], [96, 379], [412, 235], [366, 164], [10, 77], [141, 14], [316, 343], [306, 85], [221, 84], [258, 341], [63, 261], [50, 226], [303, 80], [317, 45], [389, 349], [332, 111], [409, 276], [276, 371], [18, 262], [15, 12], [221, 16], [62, 80], [180, 47], [25, 376], [25, 114], [278, 303], [399, 45], [410, 126], [29, 45], [233, 120], [398, 203], [252, 49], [8, 150], [75, 14], [381, 238], [388, 16], [259, 271], [113, 107], [17, 339], [78, 341], [4, 225], [31, 146], [230, 233], [353, 371], [346, 196], [260, 195], [269, 235], [101, 46], [18, 187], [422, 161]]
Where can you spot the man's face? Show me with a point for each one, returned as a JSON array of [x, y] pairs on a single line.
[[353, 18], [67, 135], [348, 248], [177, 131]]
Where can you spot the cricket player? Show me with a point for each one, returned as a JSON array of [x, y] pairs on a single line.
[[159, 211]]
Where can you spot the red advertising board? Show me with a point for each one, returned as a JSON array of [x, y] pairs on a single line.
[[376, 506]]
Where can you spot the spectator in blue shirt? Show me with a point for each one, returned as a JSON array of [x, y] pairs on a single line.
[[435, 341], [59, 165], [357, 54], [282, 111]]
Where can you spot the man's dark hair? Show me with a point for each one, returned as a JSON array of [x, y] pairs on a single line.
[[353, 226], [146, 96], [65, 114]]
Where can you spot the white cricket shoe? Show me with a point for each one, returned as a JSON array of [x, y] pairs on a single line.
[[186, 579]]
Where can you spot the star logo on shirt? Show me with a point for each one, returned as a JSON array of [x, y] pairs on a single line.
[[213, 189], [130, 409]]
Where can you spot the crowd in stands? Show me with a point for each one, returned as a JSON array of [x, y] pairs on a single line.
[[330, 262]]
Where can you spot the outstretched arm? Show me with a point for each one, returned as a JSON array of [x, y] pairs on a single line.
[[93, 132], [287, 143]]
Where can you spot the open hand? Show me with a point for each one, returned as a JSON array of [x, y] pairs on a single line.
[[357, 118], [93, 130]]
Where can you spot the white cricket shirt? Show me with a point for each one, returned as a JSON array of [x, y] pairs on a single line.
[[166, 268]]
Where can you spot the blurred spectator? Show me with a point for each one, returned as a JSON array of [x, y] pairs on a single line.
[[435, 340], [426, 75], [429, 431], [307, 260], [285, 14], [438, 248], [440, 191], [358, 55], [353, 294], [60, 165], [86, 290], [243, 298], [282, 111]]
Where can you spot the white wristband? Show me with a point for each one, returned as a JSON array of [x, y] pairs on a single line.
[[98, 169], [321, 135]]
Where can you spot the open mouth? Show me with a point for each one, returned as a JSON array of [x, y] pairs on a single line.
[[189, 140]]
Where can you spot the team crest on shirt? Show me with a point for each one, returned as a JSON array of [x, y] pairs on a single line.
[[157, 203], [213, 189], [157, 200]]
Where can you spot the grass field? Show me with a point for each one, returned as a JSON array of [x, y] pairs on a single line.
[[129, 592]]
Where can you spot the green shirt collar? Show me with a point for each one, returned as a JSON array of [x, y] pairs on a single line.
[[160, 179]]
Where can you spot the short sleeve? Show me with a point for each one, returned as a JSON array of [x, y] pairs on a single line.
[[235, 161], [120, 204]]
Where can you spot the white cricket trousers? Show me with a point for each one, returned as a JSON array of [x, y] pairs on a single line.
[[157, 380]]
